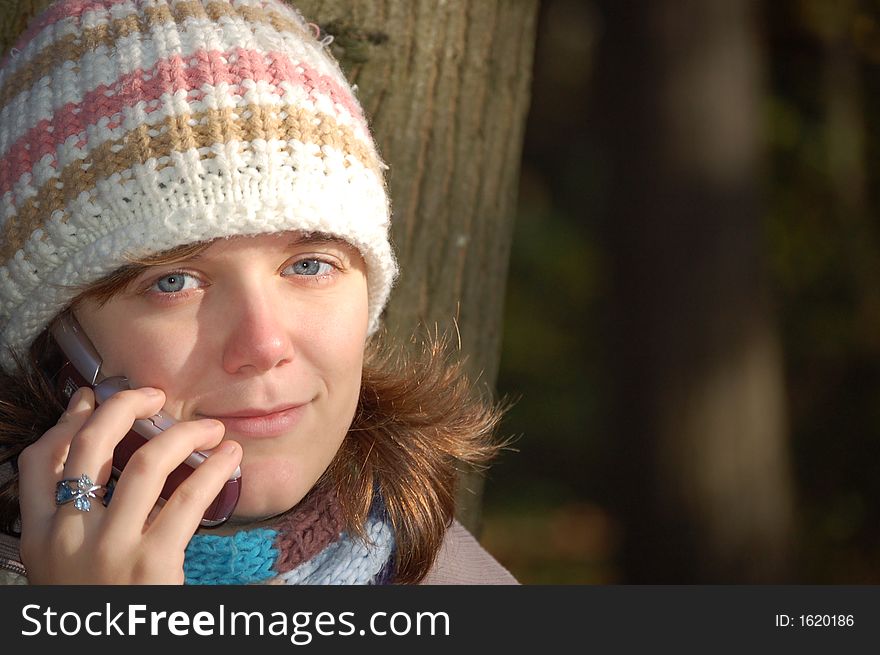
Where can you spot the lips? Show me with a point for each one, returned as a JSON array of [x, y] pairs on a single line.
[[257, 423]]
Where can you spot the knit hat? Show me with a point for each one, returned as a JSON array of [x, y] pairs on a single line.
[[130, 127]]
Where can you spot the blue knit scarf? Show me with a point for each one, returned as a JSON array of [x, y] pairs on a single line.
[[252, 557]]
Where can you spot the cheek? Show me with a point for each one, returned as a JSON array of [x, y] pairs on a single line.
[[150, 356], [339, 340]]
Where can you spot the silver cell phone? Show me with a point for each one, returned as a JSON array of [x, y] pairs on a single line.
[[82, 367]]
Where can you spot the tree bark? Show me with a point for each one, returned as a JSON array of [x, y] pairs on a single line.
[[14, 17], [704, 479], [446, 88], [445, 85]]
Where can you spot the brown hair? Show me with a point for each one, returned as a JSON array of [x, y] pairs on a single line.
[[419, 421]]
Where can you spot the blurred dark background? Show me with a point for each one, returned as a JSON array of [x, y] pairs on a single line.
[[692, 332]]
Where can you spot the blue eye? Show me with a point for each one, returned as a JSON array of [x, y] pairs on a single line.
[[311, 267], [174, 282]]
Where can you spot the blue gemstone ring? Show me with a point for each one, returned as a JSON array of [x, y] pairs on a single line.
[[78, 491]]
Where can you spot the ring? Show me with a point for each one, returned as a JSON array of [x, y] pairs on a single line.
[[77, 490]]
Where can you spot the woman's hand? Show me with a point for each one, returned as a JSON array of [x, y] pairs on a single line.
[[126, 542]]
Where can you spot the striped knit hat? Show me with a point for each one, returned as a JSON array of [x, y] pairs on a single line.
[[129, 127]]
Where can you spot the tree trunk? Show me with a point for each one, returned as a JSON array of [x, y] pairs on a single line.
[[704, 479], [446, 88], [445, 85], [14, 17], [846, 142]]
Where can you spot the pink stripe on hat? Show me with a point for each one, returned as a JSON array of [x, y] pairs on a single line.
[[170, 75], [57, 12]]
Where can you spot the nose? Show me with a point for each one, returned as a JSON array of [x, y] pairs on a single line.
[[258, 338]]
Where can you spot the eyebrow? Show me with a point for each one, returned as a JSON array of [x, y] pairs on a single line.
[[317, 238]]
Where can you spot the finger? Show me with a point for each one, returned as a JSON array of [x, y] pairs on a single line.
[[140, 484], [91, 450], [180, 517], [40, 465]]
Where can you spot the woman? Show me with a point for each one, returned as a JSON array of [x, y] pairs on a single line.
[[194, 182]]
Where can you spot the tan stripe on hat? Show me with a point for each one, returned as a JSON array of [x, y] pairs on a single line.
[[178, 134]]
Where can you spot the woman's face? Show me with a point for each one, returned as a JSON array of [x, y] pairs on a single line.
[[265, 334]]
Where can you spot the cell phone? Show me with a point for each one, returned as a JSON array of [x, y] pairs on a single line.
[[82, 367]]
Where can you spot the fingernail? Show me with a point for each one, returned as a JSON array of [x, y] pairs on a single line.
[[150, 391], [226, 448], [78, 400], [74, 398]]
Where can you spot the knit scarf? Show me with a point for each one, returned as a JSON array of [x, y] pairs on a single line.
[[305, 547]]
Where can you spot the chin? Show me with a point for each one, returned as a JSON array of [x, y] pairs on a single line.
[[244, 514], [267, 493]]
